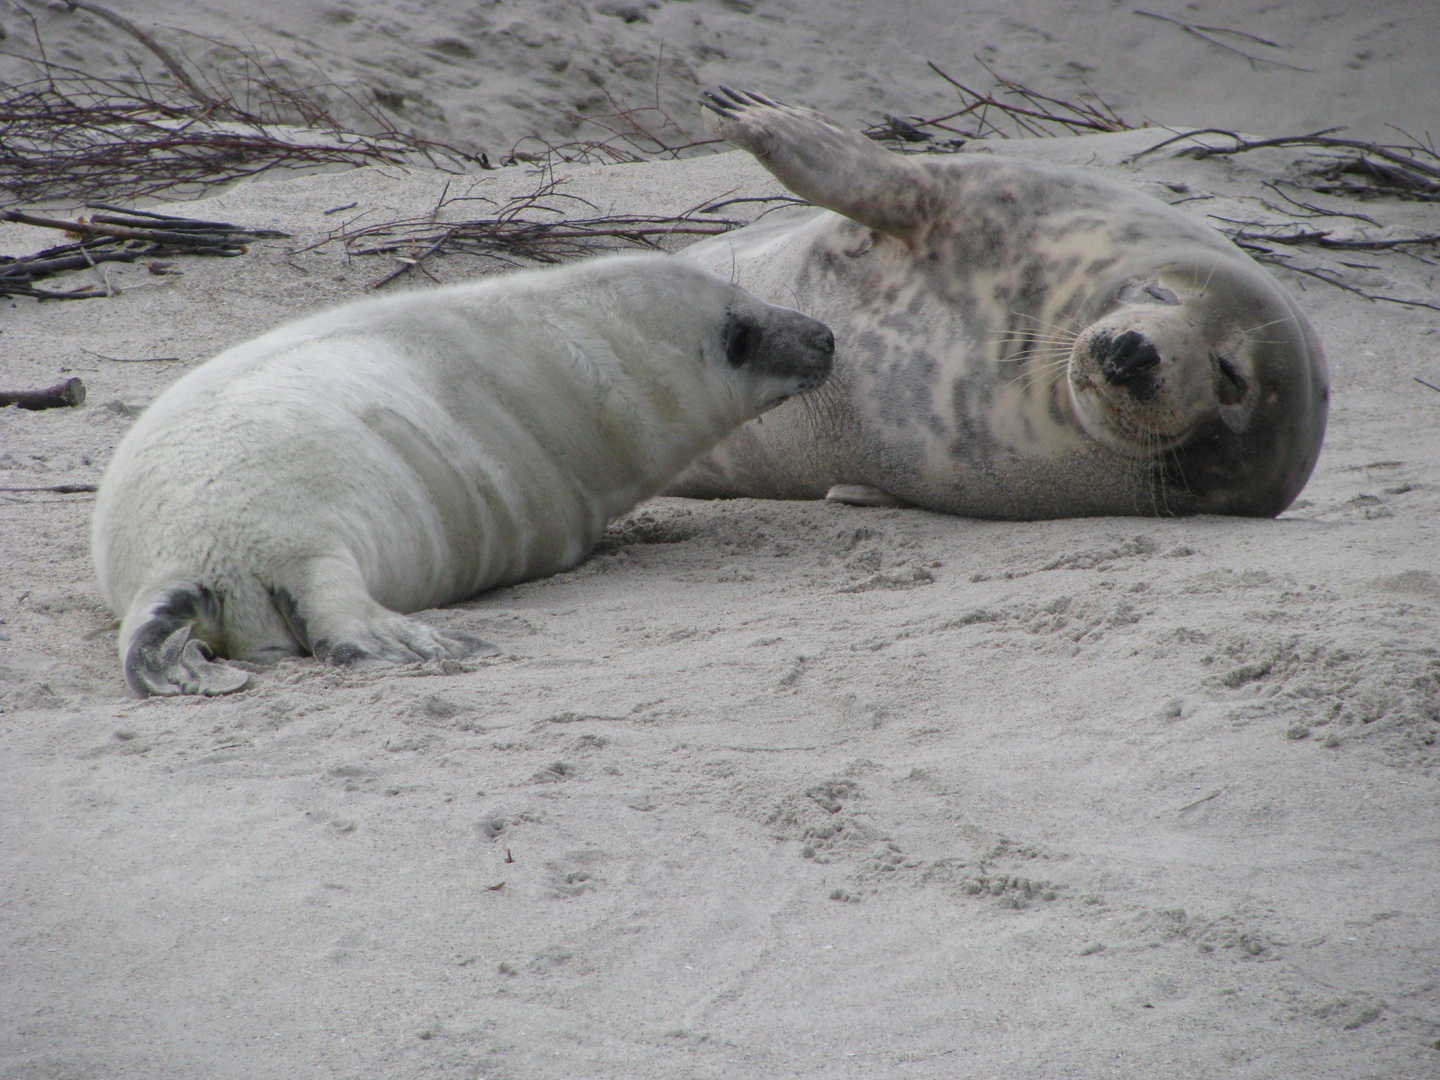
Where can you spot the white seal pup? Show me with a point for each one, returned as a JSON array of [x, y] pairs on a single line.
[[1014, 340], [299, 492]]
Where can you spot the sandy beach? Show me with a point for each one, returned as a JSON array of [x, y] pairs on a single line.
[[762, 789]]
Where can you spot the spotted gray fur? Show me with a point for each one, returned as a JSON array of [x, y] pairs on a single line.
[[965, 294]]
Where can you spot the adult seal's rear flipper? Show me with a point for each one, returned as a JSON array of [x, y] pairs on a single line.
[[838, 169], [160, 649]]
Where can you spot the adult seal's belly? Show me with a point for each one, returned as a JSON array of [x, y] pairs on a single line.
[[1014, 340]]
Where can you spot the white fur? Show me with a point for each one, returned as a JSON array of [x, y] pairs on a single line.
[[438, 442]]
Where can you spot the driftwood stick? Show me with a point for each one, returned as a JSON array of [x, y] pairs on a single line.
[[29, 269], [132, 359], [90, 229], [69, 392], [47, 294], [174, 221]]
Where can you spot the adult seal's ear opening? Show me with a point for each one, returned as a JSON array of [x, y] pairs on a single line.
[[306, 491], [1014, 340]]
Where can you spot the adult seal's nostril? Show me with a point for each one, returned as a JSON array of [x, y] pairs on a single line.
[[1129, 357]]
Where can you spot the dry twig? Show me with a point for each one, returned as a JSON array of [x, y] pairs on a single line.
[[1261, 239], [1028, 112], [172, 65], [1204, 34], [631, 135], [531, 227], [1294, 236], [1262, 254]]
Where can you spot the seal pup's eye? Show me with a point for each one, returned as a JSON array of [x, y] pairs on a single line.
[[1230, 385], [1134, 292], [739, 342]]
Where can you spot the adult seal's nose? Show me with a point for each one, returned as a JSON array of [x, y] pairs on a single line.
[[1127, 361]]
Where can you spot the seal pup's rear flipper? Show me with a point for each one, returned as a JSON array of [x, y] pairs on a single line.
[[163, 647], [835, 168], [325, 602]]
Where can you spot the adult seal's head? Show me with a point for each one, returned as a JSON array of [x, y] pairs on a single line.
[[1014, 339], [1203, 367]]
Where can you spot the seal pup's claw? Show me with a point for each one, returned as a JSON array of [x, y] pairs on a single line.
[[398, 640]]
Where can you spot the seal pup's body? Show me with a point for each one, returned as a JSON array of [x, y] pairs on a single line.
[[299, 492], [1015, 340]]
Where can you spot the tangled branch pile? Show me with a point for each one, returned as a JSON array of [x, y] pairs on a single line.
[[1409, 170], [116, 236], [70, 136]]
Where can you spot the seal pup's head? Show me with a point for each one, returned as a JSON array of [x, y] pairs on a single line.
[[779, 351], [1204, 367], [705, 351]]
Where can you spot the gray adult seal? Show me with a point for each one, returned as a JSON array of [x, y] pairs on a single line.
[[300, 492], [1014, 340]]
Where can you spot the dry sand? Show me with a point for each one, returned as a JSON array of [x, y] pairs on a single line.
[[762, 789]]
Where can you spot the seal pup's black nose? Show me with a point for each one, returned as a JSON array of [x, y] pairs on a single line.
[[1128, 361]]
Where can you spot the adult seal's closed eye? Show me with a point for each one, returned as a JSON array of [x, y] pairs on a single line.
[[300, 492], [1014, 340]]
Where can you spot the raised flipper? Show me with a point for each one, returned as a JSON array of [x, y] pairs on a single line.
[[163, 656], [832, 167], [862, 495], [329, 610]]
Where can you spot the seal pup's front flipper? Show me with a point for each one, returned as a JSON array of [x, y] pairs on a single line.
[[163, 645], [325, 603], [838, 169]]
